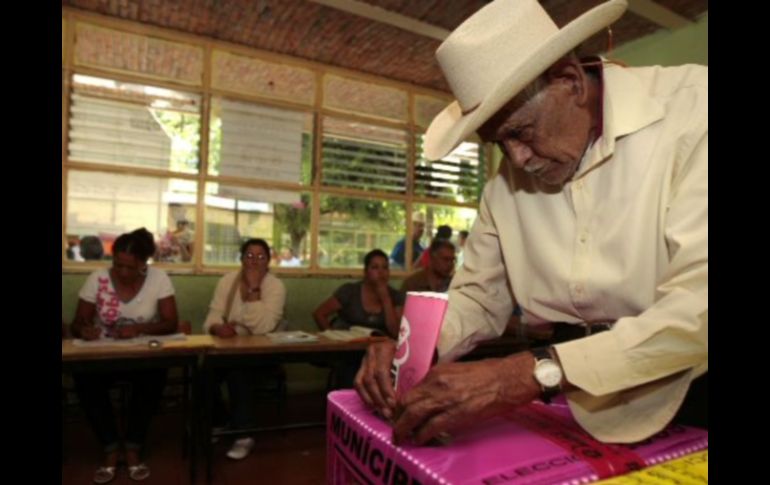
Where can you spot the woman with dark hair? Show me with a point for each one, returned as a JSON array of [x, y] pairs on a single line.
[[91, 248], [370, 302], [443, 233], [124, 301], [249, 301]]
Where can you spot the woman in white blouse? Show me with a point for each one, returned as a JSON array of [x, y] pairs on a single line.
[[249, 301], [124, 301]]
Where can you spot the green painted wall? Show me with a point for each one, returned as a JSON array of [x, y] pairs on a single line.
[[193, 295], [194, 292], [688, 45]]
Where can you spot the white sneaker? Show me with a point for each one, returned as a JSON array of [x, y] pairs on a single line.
[[241, 448]]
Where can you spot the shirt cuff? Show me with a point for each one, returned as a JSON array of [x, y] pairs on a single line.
[[596, 364]]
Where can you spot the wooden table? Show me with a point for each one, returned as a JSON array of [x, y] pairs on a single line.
[[241, 351], [181, 353], [260, 346], [254, 350], [71, 354]]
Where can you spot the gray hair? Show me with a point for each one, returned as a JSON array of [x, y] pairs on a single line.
[[531, 90]]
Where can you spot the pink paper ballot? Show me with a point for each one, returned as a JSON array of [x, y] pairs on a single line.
[[417, 338]]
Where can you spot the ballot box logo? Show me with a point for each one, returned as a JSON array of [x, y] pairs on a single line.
[[402, 352], [417, 339]]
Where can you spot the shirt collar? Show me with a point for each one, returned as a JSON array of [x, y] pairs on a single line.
[[626, 107]]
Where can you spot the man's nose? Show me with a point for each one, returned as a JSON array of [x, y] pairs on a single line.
[[518, 152]]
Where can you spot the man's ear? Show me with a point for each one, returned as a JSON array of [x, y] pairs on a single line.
[[569, 73]]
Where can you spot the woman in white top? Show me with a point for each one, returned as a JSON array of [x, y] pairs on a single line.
[[124, 301], [249, 301]]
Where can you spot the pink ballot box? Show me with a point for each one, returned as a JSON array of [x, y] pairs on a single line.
[[417, 338], [536, 444]]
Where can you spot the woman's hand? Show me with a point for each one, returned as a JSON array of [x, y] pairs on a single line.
[[253, 275], [252, 279], [90, 332], [83, 324], [223, 330], [382, 290], [127, 331]]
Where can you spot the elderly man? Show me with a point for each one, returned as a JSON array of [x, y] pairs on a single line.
[[598, 219], [437, 275]]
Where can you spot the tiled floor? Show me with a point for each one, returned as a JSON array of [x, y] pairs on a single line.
[[280, 457]]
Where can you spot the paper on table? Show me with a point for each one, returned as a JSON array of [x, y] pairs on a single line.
[[291, 337], [353, 333], [143, 340]]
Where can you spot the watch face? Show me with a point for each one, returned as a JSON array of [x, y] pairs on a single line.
[[548, 373]]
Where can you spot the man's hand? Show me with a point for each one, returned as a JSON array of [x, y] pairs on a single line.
[[90, 332], [224, 330], [373, 381], [455, 395]]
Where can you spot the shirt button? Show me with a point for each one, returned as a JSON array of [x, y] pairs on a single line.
[[583, 237]]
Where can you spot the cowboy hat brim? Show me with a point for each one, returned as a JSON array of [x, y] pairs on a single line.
[[451, 126]]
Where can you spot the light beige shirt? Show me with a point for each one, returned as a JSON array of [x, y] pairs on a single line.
[[625, 241], [261, 316]]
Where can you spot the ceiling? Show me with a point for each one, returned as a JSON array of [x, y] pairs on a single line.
[[313, 30]]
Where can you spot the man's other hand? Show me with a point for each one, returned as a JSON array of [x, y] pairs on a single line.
[[373, 381]]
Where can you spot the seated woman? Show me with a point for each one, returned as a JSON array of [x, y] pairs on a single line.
[[124, 301], [249, 301], [370, 303]]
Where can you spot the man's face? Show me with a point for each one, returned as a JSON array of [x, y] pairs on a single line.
[[418, 228], [442, 262], [545, 136]]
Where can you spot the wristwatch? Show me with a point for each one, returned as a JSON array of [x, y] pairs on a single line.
[[547, 373]]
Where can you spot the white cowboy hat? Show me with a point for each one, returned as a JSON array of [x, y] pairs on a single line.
[[495, 54]]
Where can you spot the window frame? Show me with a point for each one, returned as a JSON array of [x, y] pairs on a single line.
[[206, 92]]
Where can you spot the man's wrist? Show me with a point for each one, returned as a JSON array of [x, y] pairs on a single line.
[[521, 386], [548, 373], [565, 384]]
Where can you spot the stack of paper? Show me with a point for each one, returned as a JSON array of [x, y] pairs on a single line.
[[291, 337], [142, 340], [353, 333]]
